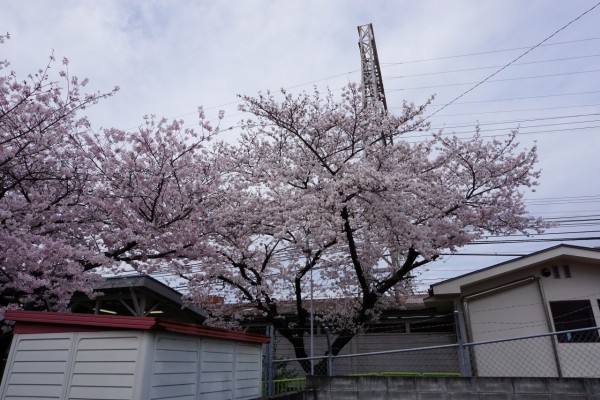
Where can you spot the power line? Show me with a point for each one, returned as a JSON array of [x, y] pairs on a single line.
[[504, 128], [549, 240], [518, 110], [494, 80], [565, 197], [563, 200], [497, 135], [493, 51], [515, 121], [573, 216], [220, 106], [514, 60], [490, 67], [520, 98], [561, 212]]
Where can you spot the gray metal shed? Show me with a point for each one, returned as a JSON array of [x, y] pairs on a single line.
[[80, 356]]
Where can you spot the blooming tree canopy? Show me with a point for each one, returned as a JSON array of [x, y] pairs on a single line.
[[332, 188], [73, 200], [317, 194]]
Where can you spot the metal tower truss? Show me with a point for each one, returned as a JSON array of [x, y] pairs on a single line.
[[372, 82], [373, 93]]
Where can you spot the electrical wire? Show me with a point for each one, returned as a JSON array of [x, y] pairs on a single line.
[[520, 98], [521, 132], [519, 110], [493, 80], [517, 121], [491, 51], [514, 60], [489, 67]]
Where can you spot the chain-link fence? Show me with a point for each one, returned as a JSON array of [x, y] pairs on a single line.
[[574, 353]]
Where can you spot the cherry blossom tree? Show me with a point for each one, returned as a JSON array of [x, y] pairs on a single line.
[[315, 187], [334, 188], [44, 184], [74, 202], [154, 193]]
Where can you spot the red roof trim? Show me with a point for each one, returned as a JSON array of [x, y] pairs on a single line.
[[109, 321], [198, 330], [46, 322], [33, 327]]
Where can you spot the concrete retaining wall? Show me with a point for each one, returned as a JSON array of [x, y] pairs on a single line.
[[396, 388]]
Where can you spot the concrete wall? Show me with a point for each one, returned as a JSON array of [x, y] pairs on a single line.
[[391, 388]]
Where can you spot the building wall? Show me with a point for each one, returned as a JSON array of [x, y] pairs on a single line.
[[37, 367], [189, 368], [175, 368], [516, 312], [523, 311], [584, 284], [248, 371], [203, 368], [440, 360], [124, 365], [105, 365], [99, 365]]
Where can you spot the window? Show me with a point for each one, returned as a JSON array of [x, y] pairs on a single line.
[[574, 314]]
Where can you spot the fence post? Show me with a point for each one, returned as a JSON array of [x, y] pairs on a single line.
[[269, 367], [329, 353], [462, 356]]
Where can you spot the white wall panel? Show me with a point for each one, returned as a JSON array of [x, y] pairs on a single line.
[[37, 367], [175, 368], [105, 365]]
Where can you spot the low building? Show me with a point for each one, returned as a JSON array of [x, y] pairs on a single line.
[[81, 356], [553, 290], [139, 296]]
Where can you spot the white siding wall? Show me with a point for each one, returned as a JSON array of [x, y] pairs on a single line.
[[105, 366], [512, 313], [520, 312], [248, 371], [577, 359], [175, 368], [37, 367], [85, 365], [216, 371], [124, 365], [186, 368]]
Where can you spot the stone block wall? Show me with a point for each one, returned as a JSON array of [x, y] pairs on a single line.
[[417, 388]]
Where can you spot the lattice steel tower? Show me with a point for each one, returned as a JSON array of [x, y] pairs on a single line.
[[373, 93], [372, 82]]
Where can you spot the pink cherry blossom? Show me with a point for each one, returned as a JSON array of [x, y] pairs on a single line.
[[334, 188], [74, 202]]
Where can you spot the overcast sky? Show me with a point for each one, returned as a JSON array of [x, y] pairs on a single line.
[[169, 57]]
